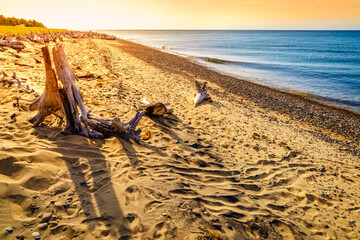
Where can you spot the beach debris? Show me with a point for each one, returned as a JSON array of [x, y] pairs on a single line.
[[22, 64], [154, 109], [12, 44], [17, 81], [68, 98], [9, 229], [36, 235], [90, 75], [146, 136], [202, 93]]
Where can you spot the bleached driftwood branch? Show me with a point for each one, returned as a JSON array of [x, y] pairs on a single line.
[[202, 93]]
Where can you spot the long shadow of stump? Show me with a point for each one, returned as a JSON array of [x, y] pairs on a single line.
[[91, 175]]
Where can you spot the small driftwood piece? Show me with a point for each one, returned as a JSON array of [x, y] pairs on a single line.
[[157, 109], [20, 84], [13, 44], [115, 127], [201, 94], [49, 102]]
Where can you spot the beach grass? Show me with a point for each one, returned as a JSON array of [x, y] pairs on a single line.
[[24, 30]]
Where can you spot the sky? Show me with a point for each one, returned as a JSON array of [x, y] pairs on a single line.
[[188, 14]]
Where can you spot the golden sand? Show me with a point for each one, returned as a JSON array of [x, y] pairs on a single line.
[[227, 169]]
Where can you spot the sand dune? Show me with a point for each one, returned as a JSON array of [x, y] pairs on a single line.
[[229, 168]]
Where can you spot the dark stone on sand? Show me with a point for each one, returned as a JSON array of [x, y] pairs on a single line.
[[42, 226], [326, 226], [186, 184], [9, 229], [83, 183], [229, 226], [86, 213]]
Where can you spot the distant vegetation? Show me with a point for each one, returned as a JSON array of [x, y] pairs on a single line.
[[11, 21], [25, 30]]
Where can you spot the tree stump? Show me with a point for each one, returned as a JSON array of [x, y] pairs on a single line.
[[50, 101], [68, 98]]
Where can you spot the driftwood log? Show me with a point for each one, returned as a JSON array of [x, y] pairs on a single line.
[[156, 109], [68, 99], [13, 44], [202, 93]]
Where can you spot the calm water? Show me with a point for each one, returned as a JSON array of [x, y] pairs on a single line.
[[322, 63]]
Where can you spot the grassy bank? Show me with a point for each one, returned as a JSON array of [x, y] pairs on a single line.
[[24, 30]]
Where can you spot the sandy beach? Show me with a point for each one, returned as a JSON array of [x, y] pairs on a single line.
[[254, 163]]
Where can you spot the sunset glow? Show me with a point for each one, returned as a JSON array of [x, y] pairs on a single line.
[[188, 14]]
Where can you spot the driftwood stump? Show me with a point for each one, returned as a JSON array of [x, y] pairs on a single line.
[[49, 102], [68, 98], [201, 93]]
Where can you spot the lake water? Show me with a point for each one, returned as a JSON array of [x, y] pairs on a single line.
[[322, 63]]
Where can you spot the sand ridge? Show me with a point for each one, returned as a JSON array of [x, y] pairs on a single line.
[[227, 167]]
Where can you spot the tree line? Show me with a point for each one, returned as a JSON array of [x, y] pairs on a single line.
[[12, 21]]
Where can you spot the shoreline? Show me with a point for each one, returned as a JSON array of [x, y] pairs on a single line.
[[297, 107], [332, 96]]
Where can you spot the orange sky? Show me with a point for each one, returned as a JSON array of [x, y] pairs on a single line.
[[188, 14]]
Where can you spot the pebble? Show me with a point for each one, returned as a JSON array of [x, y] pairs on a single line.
[[207, 214], [42, 226], [83, 183], [152, 178], [164, 214], [52, 201], [71, 194], [64, 229], [326, 226], [46, 216], [229, 226], [86, 213], [58, 204], [52, 229], [70, 198], [207, 235], [186, 184], [36, 235], [9, 229], [351, 203]]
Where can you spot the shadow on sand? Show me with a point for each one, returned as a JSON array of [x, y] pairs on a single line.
[[91, 175]]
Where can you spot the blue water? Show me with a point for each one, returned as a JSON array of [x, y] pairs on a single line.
[[321, 63]]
